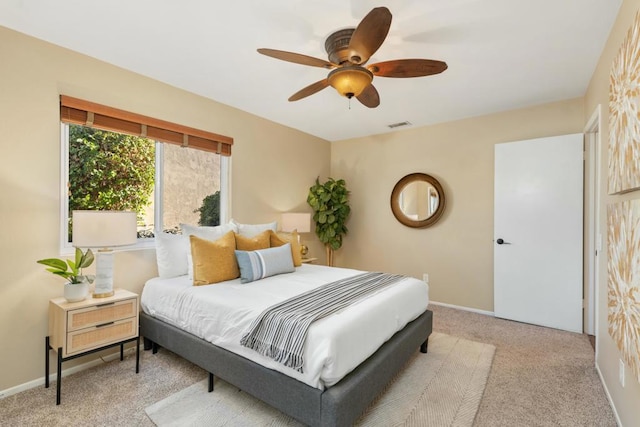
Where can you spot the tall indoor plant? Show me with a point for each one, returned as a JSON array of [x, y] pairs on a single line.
[[330, 204]]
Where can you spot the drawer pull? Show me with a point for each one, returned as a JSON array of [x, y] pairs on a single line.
[[104, 324], [105, 304]]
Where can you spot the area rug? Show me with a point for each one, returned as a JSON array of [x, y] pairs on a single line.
[[441, 388]]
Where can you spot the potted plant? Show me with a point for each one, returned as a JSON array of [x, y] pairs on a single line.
[[330, 204], [77, 286]]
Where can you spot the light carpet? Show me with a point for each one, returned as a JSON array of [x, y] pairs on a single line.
[[441, 388]]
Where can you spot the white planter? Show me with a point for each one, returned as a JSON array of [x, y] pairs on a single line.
[[74, 292]]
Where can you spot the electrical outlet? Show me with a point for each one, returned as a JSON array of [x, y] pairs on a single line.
[[621, 372], [425, 278]]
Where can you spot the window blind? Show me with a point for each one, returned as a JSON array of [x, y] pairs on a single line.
[[85, 113]]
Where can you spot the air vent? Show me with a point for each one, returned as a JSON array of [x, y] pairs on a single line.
[[399, 124]]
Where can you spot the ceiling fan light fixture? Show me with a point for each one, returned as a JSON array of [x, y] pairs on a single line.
[[349, 49], [350, 80]]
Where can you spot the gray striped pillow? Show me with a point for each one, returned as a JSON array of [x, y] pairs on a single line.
[[256, 265]]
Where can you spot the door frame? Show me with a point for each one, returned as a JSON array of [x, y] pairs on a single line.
[[593, 240]]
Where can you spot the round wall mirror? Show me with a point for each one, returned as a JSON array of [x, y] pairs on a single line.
[[417, 200]]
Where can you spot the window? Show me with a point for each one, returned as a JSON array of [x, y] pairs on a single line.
[[110, 165]]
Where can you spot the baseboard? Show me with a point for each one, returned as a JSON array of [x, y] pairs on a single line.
[[606, 391], [39, 382], [460, 307]]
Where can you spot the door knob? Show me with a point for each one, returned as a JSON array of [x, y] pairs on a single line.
[[502, 242]]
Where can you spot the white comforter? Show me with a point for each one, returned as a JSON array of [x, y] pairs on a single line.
[[335, 345]]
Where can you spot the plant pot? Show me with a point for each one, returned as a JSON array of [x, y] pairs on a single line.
[[74, 292]]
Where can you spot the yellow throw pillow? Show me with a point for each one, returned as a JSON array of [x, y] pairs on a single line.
[[259, 241], [214, 261], [279, 239]]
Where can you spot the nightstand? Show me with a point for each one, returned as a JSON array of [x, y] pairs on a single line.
[[80, 328], [309, 260]]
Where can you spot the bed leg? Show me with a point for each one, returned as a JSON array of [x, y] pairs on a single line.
[[424, 345], [210, 382], [147, 343], [154, 348]]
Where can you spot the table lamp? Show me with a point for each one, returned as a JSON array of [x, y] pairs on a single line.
[[104, 230], [301, 222]]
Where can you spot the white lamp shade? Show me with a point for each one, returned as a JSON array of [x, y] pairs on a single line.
[[296, 221], [104, 229]]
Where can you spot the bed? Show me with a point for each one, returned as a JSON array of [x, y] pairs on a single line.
[[349, 356]]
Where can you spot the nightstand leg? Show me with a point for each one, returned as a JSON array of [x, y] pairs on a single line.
[[59, 376], [138, 354], [46, 362], [121, 352]]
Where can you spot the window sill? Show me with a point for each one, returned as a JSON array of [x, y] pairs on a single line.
[[143, 244]]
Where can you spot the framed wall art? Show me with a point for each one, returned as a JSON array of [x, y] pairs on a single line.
[[623, 280], [624, 114]]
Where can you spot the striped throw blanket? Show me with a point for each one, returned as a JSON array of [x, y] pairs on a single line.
[[279, 332]]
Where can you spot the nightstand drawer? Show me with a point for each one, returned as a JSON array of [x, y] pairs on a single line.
[[101, 314], [102, 334]]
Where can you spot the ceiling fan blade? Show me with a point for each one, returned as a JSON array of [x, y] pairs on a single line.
[[297, 58], [369, 35], [309, 90], [407, 68], [401, 68], [369, 97]]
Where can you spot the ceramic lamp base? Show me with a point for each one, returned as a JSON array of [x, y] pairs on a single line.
[[104, 274], [103, 295]]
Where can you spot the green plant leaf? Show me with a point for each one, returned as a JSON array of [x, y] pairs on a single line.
[[54, 263], [78, 260], [87, 259], [65, 274]]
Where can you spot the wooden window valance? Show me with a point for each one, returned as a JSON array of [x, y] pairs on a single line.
[[85, 113]]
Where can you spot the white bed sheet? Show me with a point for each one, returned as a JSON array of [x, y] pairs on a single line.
[[335, 345]]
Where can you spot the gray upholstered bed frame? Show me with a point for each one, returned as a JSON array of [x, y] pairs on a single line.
[[338, 405]]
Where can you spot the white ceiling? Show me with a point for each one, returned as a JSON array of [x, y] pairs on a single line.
[[502, 54]]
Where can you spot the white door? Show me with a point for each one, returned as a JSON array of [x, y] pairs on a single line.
[[538, 216]]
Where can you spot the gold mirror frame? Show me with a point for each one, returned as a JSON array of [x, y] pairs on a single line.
[[395, 200]]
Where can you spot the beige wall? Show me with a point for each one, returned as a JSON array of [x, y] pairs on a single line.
[[272, 170], [607, 354], [457, 252]]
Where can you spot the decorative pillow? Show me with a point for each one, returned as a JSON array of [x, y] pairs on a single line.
[[250, 230], [171, 254], [256, 265], [259, 241], [204, 232], [214, 262], [279, 239]]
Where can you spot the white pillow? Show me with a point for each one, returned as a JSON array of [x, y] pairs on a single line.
[[204, 232], [171, 254], [251, 230]]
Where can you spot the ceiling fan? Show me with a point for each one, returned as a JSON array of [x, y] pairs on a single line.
[[349, 50]]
